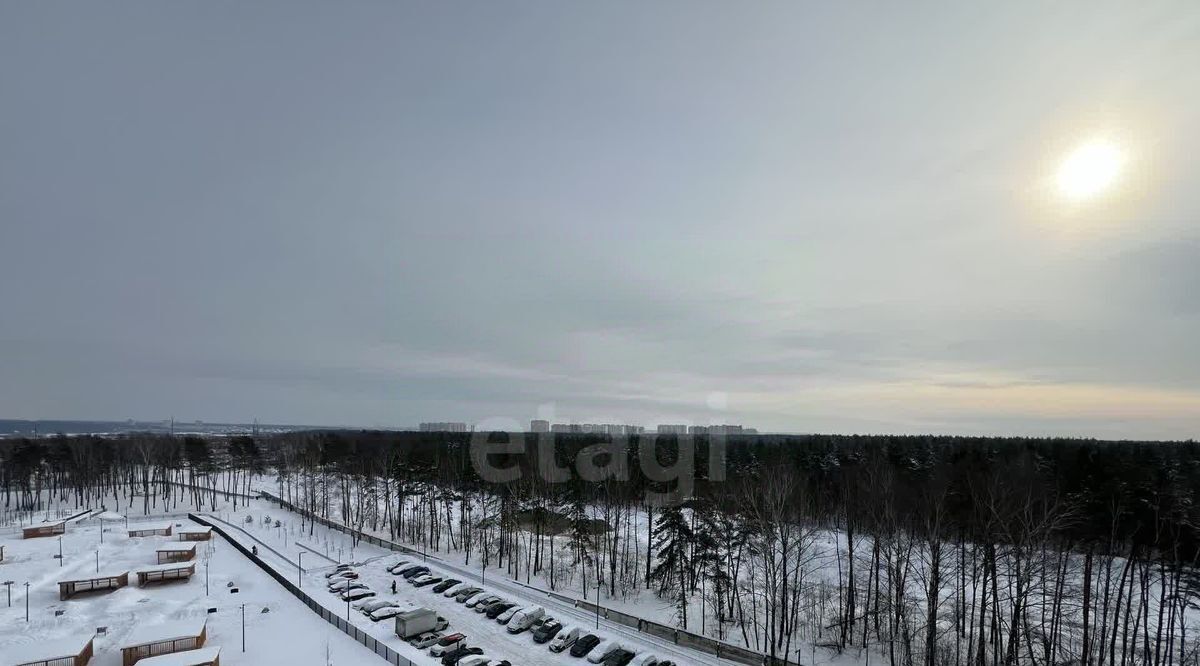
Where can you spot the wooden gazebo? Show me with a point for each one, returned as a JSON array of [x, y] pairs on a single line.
[[150, 530], [165, 572], [176, 553], [194, 533], [44, 530], [207, 656], [167, 638], [92, 583], [66, 651]]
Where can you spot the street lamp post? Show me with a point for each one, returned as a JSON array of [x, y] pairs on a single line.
[[300, 570], [243, 627], [26, 602], [597, 594], [8, 584], [97, 560], [60, 562], [206, 579]]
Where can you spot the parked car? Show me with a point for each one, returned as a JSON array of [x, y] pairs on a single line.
[[410, 568], [427, 579], [337, 570], [473, 660], [356, 594], [399, 565], [499, 607], [666, 663], [548, 629], [452, 658], [466, 593], [446, 584], [507, 615], [368, 606], [344, 584], [525, 618], [502, 662], [447, 643], [410, 574], [482, 599], [601, 651], [565, 639], [619, 657], [425, 640], [348, 573], [485, 605], [385, 613], [584, 645], [471, 597], [644, 659]]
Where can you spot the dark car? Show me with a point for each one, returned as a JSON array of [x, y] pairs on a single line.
[[446, 584], [431, 581], [497, 608], [451, 658], [618, 657], [548, 630], [584, 645], [410, 574]]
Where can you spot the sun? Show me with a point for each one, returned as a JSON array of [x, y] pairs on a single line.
[[1090, 170]]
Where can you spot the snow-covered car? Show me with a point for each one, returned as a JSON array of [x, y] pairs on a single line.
[[585, 644], [385, 613], [565, 639], [619, 657], [447, 643], [427, 579], [371, 605], [507, 615], [452, 658], [482, 599], [409, 574], [546, 630], [497, 608], [343, 584], [474, 597], [474, 660], [485, 604], [356, 594], [337, 570], [399, 565], [644, 659], [463, 593], [602, 650], [446, 584], [422, 641], [348, 573]]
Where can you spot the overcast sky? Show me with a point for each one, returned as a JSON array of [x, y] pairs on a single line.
[[806, 217]]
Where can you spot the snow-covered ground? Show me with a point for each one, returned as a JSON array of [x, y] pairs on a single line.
[[288, 541], [287, 633]]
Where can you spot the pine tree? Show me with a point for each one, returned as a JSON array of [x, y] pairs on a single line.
[[673, 539]]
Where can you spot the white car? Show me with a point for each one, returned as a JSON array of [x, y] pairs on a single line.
[[482, 600], [421, 579], [356, 594], [368, 606], [565, 639], [507, 615], [602, 650], [343, 585], [644, 659], [471, 600], [422, 641], [455, 589], [385, 612], [399, 565], [474, 660]]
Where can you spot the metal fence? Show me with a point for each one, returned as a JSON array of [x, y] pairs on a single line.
[[370, 642], [687, 639]]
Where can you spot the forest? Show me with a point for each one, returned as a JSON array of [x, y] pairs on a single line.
[[917, 550]]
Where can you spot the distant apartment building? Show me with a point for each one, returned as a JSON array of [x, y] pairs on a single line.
[[672, 429], [539, 425], [443, 426], [560, 427]]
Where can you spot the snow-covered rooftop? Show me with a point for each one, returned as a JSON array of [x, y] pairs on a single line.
[[176, 548], [166, 567], [204, 655], [150, 526], [45, 649], [94, 576], [167, 631], [194, 530]]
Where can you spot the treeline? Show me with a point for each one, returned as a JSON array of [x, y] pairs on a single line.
[[933, 550]]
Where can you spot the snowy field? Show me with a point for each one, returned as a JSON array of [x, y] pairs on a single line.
[[286, 633]]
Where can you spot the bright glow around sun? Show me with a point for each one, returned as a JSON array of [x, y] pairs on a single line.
[[1089, 170]]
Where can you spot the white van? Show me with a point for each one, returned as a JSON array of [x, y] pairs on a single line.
[[525, 618], [565, 639], [602, 650]]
